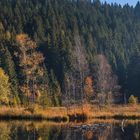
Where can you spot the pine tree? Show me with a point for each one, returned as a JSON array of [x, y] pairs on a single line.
[[8, 65]]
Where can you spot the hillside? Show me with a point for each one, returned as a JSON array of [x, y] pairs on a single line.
[[53, 51]]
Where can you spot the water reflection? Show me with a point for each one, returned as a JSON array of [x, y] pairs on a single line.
[[97, 130]]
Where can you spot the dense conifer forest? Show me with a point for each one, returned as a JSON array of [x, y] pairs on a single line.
[[61, 52]]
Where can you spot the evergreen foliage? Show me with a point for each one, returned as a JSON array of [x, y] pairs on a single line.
[[69, 34]]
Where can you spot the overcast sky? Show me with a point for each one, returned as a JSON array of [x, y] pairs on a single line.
[[122, 2]]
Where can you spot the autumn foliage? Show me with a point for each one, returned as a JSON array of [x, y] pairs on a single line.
[[89, 86], [31, 64], [4, 87]]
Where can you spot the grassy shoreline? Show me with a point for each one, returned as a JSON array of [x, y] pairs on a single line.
[[73, 113]]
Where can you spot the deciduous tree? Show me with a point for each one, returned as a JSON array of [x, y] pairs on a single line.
[[88, 87], [31, 65], [106, 81], [4, 88]]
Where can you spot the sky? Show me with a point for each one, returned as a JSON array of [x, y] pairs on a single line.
[[122, 2]]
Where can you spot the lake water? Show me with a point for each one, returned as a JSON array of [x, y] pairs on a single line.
[[93, 130]]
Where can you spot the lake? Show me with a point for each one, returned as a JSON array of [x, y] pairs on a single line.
[[92, 130]]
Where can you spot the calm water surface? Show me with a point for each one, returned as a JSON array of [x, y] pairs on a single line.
[[96, 130]]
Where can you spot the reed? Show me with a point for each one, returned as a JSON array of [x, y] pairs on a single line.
[[79, 113]]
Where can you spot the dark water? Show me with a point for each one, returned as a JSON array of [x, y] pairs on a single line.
[[96, 130]]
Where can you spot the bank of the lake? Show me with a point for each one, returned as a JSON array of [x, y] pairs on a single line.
[[81, 112]]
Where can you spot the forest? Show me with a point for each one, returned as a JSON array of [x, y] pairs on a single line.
[[65, 52]]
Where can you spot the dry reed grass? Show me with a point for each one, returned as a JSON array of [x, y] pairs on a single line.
[[80, 112]]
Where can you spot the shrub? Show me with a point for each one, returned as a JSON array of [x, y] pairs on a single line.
[[33, 108], [133, 100]]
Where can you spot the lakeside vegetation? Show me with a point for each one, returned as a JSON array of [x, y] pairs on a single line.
[[72, 114], [58, 62]]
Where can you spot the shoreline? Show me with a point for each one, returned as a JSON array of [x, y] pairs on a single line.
[[71, 114]]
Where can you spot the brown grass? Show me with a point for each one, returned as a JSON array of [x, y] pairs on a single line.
[[72, 113], [118, 112]]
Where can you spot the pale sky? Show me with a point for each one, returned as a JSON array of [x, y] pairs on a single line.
[[122, 2]]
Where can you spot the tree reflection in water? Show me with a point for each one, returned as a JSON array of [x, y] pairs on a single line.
[[45, 131]]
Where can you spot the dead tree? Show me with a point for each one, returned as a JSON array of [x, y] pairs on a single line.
[[75, 77], [106, 82]]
